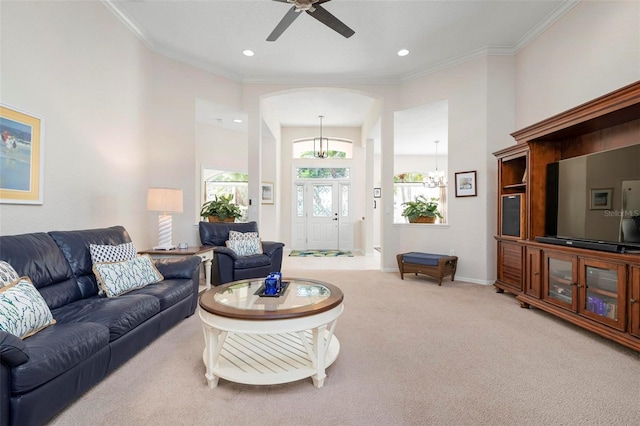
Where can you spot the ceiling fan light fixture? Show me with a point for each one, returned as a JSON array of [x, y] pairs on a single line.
[[248, 52], [304, 5], [403, 52], [312, 8]]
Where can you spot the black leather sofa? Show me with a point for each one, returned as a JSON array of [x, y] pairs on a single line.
[[93, 334], [227, 265]]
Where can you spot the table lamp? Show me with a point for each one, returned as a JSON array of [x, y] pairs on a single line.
[[164, 200]]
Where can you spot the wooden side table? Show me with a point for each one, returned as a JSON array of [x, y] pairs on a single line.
[[203, 252]]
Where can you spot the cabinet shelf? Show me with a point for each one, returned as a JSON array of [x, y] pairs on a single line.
[[606, 293], [566, 298], [515, 186]]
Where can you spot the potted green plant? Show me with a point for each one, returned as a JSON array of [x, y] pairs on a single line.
[[221, 209], [421, 210]]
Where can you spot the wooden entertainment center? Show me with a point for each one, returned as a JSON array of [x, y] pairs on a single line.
[[596, 290]]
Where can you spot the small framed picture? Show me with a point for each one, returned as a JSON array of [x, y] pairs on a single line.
[[266, 193], [601, 199], [377, 192], [466, 184]]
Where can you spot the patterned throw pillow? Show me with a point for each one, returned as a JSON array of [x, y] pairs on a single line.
[[246, 246], [8, 275], [112, 253], [117, 278], [23, 311], [235, 235]]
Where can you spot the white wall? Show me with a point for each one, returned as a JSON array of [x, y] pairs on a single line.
[[170, 131], [271, 215], [118, 118], [90, 90], [420, 163], [465, 87], [594, 49]]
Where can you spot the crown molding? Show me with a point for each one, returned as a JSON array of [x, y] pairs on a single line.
[[137, 30], [130, 23], [549, 20]]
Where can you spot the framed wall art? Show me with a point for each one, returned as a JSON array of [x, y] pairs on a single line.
[[601, 199], [21, 156], [266, 193], [466, 184]]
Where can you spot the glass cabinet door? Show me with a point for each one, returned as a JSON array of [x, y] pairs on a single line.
[[602, 287], [560, 273]]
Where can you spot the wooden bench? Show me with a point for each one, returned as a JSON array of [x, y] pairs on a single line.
[[435, 265]]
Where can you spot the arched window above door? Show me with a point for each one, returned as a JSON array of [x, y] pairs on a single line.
[[322, 148]]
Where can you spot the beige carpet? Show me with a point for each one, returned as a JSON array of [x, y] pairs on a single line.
[[412, 353]]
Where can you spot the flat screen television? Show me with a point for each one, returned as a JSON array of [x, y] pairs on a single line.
[[593, 201]]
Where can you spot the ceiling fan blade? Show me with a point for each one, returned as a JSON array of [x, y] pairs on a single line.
[[290, 16], [324, 16]]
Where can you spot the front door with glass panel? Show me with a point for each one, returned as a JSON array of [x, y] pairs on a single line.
[[323, 216]]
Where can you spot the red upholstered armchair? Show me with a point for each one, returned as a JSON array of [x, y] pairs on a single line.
[[228, 265]]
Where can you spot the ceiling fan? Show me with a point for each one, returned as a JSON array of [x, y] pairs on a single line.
[[313, 8]]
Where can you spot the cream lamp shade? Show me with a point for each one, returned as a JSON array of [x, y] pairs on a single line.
[[164, 200]]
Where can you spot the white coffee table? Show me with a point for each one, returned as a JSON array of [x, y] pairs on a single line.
[[269, 340]]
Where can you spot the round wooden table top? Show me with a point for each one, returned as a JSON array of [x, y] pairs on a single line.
[[241, 300]]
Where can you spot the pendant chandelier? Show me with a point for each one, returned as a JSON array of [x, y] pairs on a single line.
[[320, 145], [436, 178]]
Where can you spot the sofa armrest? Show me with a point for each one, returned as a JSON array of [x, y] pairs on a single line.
[[270, 247], [13, 351], [225, 251], [178, 267]]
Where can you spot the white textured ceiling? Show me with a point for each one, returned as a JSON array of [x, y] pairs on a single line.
[[211, 35]]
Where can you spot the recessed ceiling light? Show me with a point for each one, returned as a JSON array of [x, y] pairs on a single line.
[[248, 52], [403, 52], [237, 120]]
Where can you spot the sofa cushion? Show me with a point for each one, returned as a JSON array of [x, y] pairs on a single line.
[[8, 275], [23, 311], [75, 247], [419, 258], [254, 261], [246, 246], [117, 278], [38, 257], [112, 252], [55, 350], [169, 292], [235, 235], [119, 314]]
